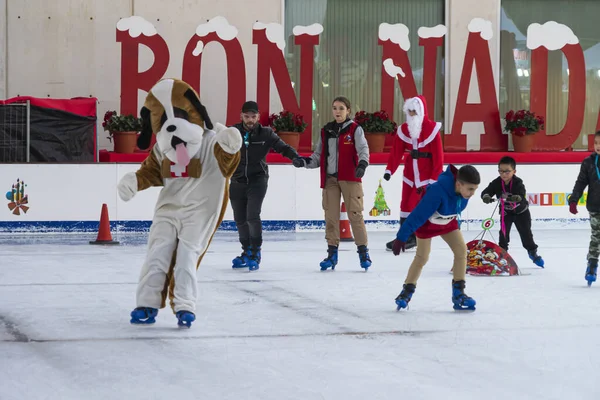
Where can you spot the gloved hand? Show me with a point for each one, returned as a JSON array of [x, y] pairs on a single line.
[[398, 246], [487, 199], [573, 208], [515, 198], [300, 162], [127, 186], [387, 176], [360, 169]]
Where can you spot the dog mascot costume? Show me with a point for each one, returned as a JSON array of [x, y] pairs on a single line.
[[193, 164], [418, 142]]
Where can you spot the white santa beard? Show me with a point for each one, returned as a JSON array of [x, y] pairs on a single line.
[[414, 125]]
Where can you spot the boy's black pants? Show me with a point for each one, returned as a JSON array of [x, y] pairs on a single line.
[[246, 202], [523, 223]]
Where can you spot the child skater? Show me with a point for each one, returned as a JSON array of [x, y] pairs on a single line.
[[438, 214], [589, 175], [510, 191]]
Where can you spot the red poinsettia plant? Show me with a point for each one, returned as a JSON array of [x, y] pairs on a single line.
[[523, 122], [287, 121], [377, 122], [114, 122]]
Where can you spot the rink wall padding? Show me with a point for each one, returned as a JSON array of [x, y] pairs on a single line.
[[67, 198]]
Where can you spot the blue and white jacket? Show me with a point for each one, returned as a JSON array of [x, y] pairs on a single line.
[[439, 210]]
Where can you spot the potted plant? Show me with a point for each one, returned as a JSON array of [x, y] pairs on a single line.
[[288, 126], [376, 125], [523, 125], [124, 129]]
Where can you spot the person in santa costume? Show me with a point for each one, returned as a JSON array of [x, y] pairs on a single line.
[[419, 144]]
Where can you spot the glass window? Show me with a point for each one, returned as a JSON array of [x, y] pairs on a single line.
[[515, 58], [348, 59]]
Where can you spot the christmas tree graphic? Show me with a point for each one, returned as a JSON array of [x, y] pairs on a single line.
[[380, 208]]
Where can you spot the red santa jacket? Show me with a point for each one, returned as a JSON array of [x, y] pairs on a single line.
[[423, 156]]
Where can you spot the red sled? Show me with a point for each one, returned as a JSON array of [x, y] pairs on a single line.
[[485, 258]]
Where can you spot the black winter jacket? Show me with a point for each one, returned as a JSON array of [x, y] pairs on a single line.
[[515, 186], [260, 141], [588, 176]]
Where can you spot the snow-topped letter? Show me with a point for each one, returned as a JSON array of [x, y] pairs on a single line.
[[477, 56], [553, 36], [270, 41], [131, 33], [218, 30], [395, 66]]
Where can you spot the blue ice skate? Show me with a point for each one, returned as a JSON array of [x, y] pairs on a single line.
[[254, 259], [331, 260], [537, 259], [363, 255], [591, 271], [143, 315], [241, 261], [185, 318], [459, 298], [405, 295]]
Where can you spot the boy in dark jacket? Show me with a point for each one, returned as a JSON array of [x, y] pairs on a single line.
[[438, 214], [510, 191], [589, 175], [250, 181]]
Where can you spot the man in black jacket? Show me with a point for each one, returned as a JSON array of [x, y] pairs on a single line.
[[510, 190], [250, 180]]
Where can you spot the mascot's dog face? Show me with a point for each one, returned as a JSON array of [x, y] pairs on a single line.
[[173, 111]]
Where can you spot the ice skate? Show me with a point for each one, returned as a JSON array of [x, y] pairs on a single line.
[[143, 315], [459, 298], [363, 254], [254, 259], [185, 318], [590, 272], [537, 259], [405, 295], [331, 260]]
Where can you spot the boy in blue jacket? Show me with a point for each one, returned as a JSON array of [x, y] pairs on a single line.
[[438, 214]]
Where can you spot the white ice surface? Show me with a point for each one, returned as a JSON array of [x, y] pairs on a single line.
[[289, 331]]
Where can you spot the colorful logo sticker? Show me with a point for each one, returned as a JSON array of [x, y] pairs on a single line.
[[380, 208], [17, 198]]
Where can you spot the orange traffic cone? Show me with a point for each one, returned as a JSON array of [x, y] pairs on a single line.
[[104, 236], [345, 233]]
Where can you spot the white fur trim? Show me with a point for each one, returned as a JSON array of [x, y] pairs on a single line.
[[162, 91], [402, 136], [407, 181], [436, 129], [404, 214], [387, 171]]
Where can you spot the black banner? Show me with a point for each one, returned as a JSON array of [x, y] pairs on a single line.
[[55, 135], [60, 136]]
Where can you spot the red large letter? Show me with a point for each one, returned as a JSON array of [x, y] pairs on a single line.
[[236, 68], [131, 33], [395, 66], [271, 61], [539, 96], [477, 52], [430, 39]]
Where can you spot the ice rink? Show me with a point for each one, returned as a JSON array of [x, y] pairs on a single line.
[[290, 331]]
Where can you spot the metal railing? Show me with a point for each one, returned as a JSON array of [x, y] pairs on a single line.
[[15, 135]]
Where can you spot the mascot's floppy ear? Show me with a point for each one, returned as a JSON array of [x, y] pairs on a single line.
[[145, 137], [195, 101]]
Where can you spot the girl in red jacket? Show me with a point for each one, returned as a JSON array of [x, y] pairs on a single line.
[[342, 154]]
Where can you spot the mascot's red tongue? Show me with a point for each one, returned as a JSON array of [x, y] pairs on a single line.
[[183, 158]]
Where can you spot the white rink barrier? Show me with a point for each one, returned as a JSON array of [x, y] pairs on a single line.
[[67, 198]]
